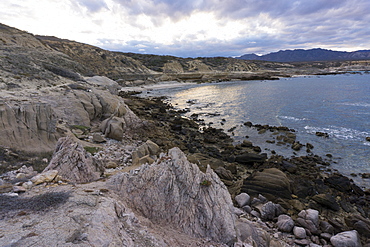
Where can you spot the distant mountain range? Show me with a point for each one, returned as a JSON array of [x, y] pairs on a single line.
[[300, 55]]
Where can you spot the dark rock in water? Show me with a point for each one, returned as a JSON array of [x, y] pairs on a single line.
[[326, 135], [257, 149], [246, 143], [327, 201], [272, 183], [248, 124], [365, 175], [368, 138], [74, 163], [297, 146], [248, 158], [309, 145]]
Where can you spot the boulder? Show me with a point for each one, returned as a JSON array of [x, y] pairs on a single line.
[[250, 235], [250, 158], [203, 160], [73, 163], [326, 227], [98, 138], [309, 219], [243, 199], [269, 210], [175, 193], [270, 182], [145, 153], [224, 174], [299, 232], [285, 223], [104, 83], [113, 128], [346, 239], [326, 200]]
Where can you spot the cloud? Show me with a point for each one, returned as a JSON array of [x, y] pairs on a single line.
[[197, 27], [91, 5]]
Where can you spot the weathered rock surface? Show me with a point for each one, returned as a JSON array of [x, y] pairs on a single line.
[[81, 215], [299, 232], [346, 239], [250, 158], [309, 219], [271, 183], [28, 126], [285, 223], [243, 199], [178, 194], [74, 163], [145, 153], [44, 177]]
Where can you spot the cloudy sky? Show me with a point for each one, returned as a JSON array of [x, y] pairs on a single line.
[[192, 28]]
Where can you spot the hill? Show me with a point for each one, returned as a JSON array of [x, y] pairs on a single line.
[[311, 55]]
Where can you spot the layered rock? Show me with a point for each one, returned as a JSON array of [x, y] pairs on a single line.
[[30, 126], [271, 183], [73, 163], [35, 124], [174, 192]]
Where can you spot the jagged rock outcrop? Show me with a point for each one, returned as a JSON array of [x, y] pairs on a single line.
[[74, 163], [175, 193]]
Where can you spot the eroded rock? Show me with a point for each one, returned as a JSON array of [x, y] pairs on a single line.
[[73, 163], [173, 191]]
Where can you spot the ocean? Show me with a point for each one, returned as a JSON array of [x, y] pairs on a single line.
[[335, 104]]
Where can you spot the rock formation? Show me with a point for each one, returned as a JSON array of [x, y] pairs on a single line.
[[174, 192], [74, 163]]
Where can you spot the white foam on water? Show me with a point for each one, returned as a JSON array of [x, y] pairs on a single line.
[[339, 132], [292, 118], [361, 104]]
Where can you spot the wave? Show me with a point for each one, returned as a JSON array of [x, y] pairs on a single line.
[[361, 104], [292, 118], [339, 132]]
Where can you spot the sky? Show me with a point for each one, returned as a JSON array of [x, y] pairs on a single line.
[[197, 28]]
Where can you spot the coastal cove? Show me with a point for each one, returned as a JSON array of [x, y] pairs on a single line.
[[335, 104]]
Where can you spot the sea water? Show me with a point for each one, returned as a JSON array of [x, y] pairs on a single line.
[[335, 104]]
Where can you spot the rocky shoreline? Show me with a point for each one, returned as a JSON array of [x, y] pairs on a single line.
[[296, 184], [85, 164], [277, 201]]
